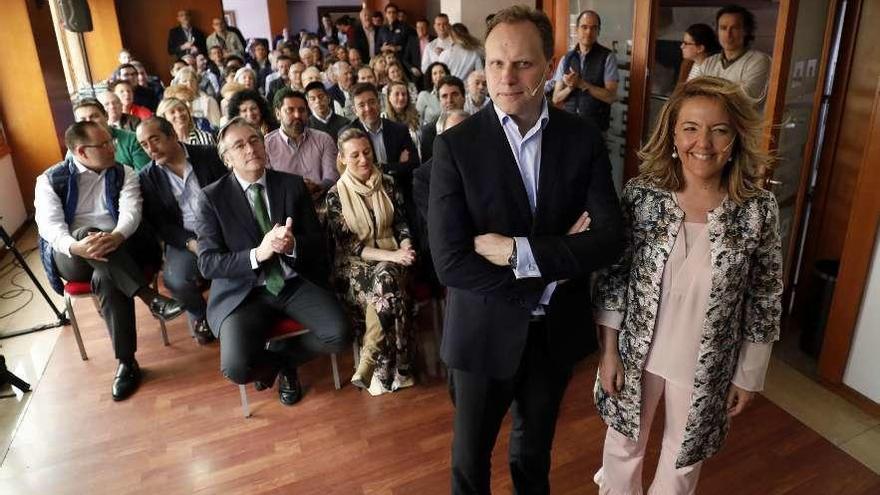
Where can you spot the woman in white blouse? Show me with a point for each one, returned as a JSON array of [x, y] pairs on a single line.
[[466, 53], [203, 105], [690, 311], [428, 103]]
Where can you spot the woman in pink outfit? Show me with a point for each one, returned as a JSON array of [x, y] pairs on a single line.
[[689, 313]]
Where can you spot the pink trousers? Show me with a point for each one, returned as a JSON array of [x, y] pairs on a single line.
[[622, 458]]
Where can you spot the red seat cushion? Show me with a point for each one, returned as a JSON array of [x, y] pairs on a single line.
[[78, 288], [285, 326]]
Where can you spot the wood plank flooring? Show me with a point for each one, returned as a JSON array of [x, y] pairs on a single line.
[[183, 432]]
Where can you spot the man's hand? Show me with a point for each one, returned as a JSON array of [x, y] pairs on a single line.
[[571, 78], [404, 156], [495, 248], [283, 242], [192, 246], [97, 245], [582, 224]]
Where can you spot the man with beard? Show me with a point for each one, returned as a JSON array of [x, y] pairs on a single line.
[[296, 149]]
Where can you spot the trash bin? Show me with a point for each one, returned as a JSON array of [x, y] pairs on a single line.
[[813, 332]]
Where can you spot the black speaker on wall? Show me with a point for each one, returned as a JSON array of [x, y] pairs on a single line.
[[77, 16]]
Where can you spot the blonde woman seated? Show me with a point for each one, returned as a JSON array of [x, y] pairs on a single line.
[[373, 253], [689, 313], [380, 68], [226, 93], [397, 74], [177, 112], [399, 108], [203, 106], [246, 77]]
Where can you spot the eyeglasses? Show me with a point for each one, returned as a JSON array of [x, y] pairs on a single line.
[[106, 145], [688, 43]]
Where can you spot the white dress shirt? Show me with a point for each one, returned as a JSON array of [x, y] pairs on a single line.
[[429, 55], [527, 153], [91, 210]]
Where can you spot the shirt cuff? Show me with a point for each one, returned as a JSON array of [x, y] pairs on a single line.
[[752, 366], [254, 263], [63, 244], [610, 319], [292, 253], [526, 266]]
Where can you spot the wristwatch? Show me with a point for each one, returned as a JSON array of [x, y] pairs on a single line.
[[512, 259]]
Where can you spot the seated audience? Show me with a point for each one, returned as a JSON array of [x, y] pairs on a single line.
[[228, 90], [451, 93], [355, 59], [258, 60], [477, 92], [310, 75], [125, 91], [115, 116], [148, 91], [253, 108], [296, 149], [209, 80], [260, 272], [88, 210], [125, 145], [170, 185], [322, 117], [380, 71], [428, 103], [202, 105], [246, 77], [397, 74], [737, 62], [176, 111], [341, 90], [399, 108], [294, 76], [373, 250], [279, 78]]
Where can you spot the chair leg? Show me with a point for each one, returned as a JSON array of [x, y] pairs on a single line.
[[242, 389], [162, 328], [68, 302], [335, 367]]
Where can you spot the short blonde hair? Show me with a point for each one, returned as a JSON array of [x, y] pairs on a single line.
[[742, 174], [345, 136], [180, 91], [170, 102]]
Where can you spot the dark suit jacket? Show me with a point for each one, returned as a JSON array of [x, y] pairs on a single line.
[[359, 42], [227, 231], [421, 189], [427, 135], [336, 93], [177, 37], [332, 127], [160, 209], [396, 138], [476, 188]]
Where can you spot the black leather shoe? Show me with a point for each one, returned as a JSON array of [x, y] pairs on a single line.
[[265, 378], [203, 332], [128, 377], [289, 389], [165, 308]]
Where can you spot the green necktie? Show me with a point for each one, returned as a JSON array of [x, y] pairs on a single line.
[[272, 267]]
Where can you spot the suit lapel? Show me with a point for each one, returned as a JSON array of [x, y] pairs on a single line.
[[164, 187], [508, 170], [240, 207]]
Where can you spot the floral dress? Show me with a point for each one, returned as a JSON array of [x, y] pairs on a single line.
[[382, 284]]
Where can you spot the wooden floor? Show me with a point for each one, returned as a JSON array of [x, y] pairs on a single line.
[[183, 432]]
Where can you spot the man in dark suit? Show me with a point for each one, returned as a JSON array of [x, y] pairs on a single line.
[[260, 244], [185, 38], [522, 210], [170, 184], [450, 91]]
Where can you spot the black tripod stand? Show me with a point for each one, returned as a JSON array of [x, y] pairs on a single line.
[[5, 375]]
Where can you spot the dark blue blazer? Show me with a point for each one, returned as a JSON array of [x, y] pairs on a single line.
[[160, 209], [396, 139], [476, 188], [227, 231]]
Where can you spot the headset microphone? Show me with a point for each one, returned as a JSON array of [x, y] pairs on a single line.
[[534, 92], [732, 141]]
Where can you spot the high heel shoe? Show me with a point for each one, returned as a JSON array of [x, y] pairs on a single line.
[[363, 375]]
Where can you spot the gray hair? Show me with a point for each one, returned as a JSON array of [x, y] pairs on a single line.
[[337, 67], [221, 135], [444, 117]]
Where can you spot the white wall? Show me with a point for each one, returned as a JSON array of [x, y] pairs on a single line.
[[251, 17], [863, 369], [473, 14], [11, 205]]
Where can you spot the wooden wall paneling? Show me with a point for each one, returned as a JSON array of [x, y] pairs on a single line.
[[104, 43], [846, 142], [774, 108], [144, 25], [33, 92], [642, 55], [277, 16], [858, 251]]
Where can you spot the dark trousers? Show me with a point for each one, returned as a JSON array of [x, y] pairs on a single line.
[[243, 334], [181, 275], [533, 395], [114, 283]]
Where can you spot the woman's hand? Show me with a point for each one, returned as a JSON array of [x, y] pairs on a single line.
[[404, 256], [611, 372], [737, 400]]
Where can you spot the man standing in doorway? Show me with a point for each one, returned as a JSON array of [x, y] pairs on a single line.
[[521, 211]]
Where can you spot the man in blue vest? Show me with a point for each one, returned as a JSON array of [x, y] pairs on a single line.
[[586, 77], [88, 209]]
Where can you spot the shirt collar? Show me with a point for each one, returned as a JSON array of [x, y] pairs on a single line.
[[81, 169], [377, 131], [543, 118], [289, 140], [245, 184], [323, 121]]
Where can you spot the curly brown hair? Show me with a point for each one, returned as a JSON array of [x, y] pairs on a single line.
[[742, 174]]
